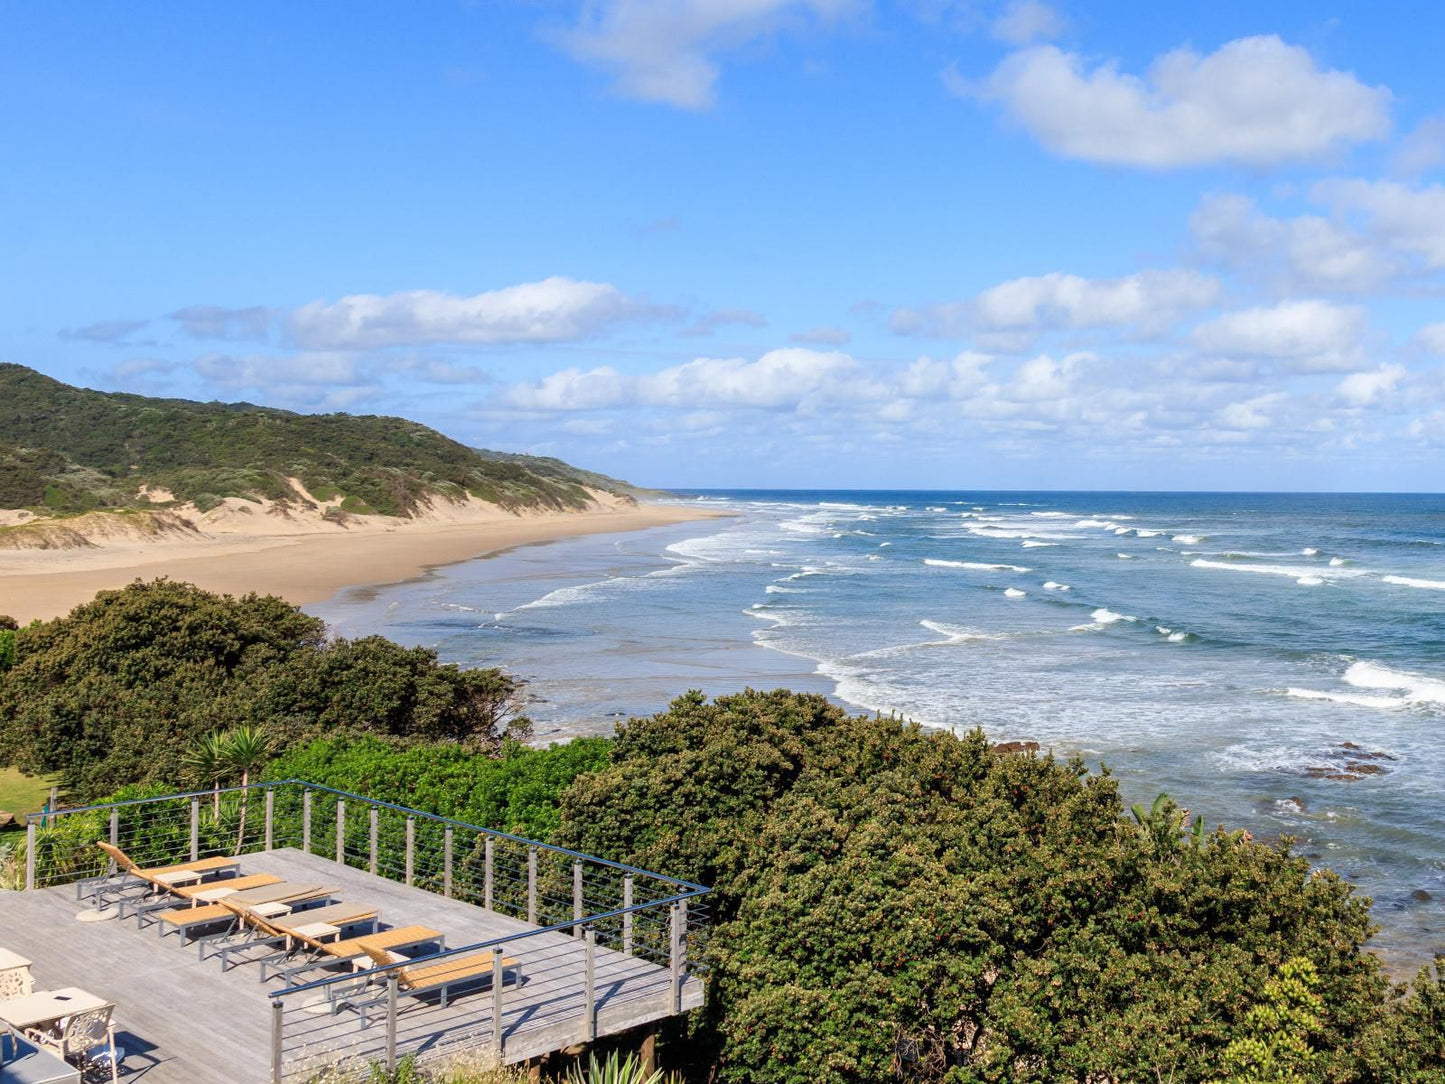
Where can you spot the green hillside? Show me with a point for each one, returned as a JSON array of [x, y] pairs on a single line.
[[69, 449]]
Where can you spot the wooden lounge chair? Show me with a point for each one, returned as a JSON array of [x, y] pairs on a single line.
[[154, 879], [205, 892], [420, 979], [229, 909], [323, 953]]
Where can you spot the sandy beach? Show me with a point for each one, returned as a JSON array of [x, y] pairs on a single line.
[[302, 568]]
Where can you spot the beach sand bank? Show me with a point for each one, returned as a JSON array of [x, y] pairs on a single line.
[[301, 568]]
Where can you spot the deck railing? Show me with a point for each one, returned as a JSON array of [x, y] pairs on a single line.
[[586, 918]]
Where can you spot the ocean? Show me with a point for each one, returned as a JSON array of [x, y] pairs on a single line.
[[1272, 662]]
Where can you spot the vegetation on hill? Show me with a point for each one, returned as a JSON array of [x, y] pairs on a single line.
[[893, 904], [69, 449], [118, 691]]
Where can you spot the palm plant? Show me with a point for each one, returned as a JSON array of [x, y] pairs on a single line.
[[244, 749], [207, 762]]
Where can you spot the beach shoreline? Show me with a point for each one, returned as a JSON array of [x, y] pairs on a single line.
[[301, 568]]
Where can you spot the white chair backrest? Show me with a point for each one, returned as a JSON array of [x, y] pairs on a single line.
[[84, 1029]]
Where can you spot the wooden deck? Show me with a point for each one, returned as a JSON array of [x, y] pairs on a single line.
[[185, 1021]]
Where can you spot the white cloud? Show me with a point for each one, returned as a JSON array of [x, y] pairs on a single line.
[[1307, 252], [219, 322], [1432, 338], [780, 378], [1421, 150], [1025, 21], [665, 50], [1149, 301], [1311, 335], [1361, 389], [1249, 414], [553, 310], [1256, 101], [1411, 219]]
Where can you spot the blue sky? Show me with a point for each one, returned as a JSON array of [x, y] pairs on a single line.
[[935, 243]]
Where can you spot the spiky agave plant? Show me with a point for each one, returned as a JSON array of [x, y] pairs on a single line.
[[614, 1070]]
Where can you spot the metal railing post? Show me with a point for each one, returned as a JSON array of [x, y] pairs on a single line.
[[576, 898], [195, 829], [487, 882], [532, 885], [447, 862], [627, 914], [371, 863], [410, 848], [675, 955], [277, 1032], [497, 1004], [306, 820], [341, 831], [270, 817], [114, 837], [29, 856], [391, 1022], [589, 1011]]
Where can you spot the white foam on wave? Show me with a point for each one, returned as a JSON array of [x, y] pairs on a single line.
[[1408, 689], [1052, 585], [1013, 592], [874, 557], [957, 634], [1123, 530], [1304, 574], [1033, 544], [935, 508], [1142, 533], [976, 566], [1410, 581], [1414, 687], [1105, 616], [1171, 635], [1052, 515], [1188, 539], [1336, 562], [775, 589], [882, 544], [1309, 551], [567, 596], [1124, 556]]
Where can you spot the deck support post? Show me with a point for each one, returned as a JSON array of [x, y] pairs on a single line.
[[277, 1032], [341, 831], [447, 862], [410, 849], [647, 1052], [29, 856], [371, 862], [589, 1008], [306, 820], [626, 914], [675, 955], [576, 898], [532, 885], [114, 837], [195, 829], [391, 1022], [497, 1004], [270, 817], [487, 877]]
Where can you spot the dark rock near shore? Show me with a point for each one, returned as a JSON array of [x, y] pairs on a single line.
[[1016, 747], [1421, 896]]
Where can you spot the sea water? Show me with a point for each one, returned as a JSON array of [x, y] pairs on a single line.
[[1272, 662]]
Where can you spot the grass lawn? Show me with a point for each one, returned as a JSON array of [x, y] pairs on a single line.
[[22, 793]]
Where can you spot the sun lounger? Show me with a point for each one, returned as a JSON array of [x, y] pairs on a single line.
[[308, 929], [154, 879], [230, 908], [205, 892], [422, 978], [324, 953]]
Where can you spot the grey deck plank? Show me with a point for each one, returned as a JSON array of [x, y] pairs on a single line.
[[200, 1025]]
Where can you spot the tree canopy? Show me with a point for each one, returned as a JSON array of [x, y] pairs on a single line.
[[116, 692], [891, 903]]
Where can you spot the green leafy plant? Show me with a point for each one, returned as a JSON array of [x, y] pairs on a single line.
[[614, 1069]]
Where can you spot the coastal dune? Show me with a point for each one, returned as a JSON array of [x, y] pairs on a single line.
[[297, 558]]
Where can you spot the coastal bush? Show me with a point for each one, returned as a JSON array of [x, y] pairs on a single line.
[[519, 792], [895, 904], [117, 692]]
